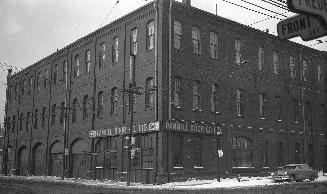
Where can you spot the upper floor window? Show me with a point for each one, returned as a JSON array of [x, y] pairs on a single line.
[[24, 86], [305, 70], [114, 101], [38, 79], [28, 117], [177, 92], [295, 110], [85, 107], [239, 102], [16, 91], [196, 95], [308, 114], [62, 113], [36, 115], [100, 104], [44, 109], [275, 62], [31, 80], [279, 108], [76, 68], [238, 51], [74, 111], [196, 40], [213, 45], [320, 74], [261, 58], [88, 61], [21, 118], [64, 71], [102, 55], [150, 35], [263, 104], [13, 124], [46, 79], [177, 34], [292, 66], [55, 74], [149, 92], [54, 111], [115, 50], [214, 98], [134, 41]]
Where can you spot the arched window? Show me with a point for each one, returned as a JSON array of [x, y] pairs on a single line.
[[115, 50], [150, 35], [74, 110], [196, 40], [177, 34], [213, 45], [88, 61], [102, 55]]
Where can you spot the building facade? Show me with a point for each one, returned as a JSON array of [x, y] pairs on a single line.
[[199, 83]]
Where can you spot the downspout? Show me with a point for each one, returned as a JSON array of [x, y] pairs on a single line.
[[32, 127], [124, 103], [156, 83]]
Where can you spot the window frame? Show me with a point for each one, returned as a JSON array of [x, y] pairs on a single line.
[[150, 38], [196, 40], [178, 33], [213, 47]]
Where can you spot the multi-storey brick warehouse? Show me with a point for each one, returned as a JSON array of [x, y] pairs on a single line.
[[204, 83]]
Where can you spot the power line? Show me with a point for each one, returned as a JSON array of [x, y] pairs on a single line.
[[109, 13], [264, 20], [276, 4], [264, 8]]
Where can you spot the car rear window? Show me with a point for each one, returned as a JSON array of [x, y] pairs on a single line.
[[289, 167]]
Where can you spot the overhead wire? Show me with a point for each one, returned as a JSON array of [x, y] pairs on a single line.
[[264, 8], [109, 13]]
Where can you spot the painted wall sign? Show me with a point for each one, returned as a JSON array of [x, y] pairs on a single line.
[[192, 127], [140, 128], [307, 27], [314, 7]]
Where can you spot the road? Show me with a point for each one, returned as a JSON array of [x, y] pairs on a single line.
[[20, 186]]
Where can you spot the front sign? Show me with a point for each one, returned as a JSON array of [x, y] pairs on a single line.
[[307, 27], [192, 127], [314, 7], [140, 128]]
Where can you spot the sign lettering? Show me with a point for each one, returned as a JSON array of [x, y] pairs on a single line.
[[186, 126], [307, 27], [314, 7]]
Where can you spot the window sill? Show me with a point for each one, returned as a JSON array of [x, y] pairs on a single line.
[[296, 122], [198, 167], [177, 107], [279, 120], [263, 118], [178, 168], [196, 110]]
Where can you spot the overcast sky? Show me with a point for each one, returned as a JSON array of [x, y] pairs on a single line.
[[32, 29]]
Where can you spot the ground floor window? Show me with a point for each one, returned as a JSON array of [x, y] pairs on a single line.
[[242, 154], [143, 151], [197, 151], [177, 150]]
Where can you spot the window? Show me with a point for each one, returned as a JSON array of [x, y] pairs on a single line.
[[87, 61], [27, 124], [36, 115], [320, 74], [239, 103], [114, 101], [238, 51], [296, 110], [85, 107], [46, 79], [74, 106], [53, 118], [100, 104], [115, 50], [177, 150], [213, 45], [16, 91], [21, 118], [76, 68], [275, 62], [260, 58], [55, 74], [23, 88], [102, 55], [64, 71], [149, 93], [196, 40], [177, 92], [30, 85], [214, 98], [264, 153], [198, 151], [196, 95], [62, 113], [308, 116], [150, 35], [177, 34], [279, 108], [134, 41], [304, 70], [280, 152], [43, 117], [242, 154], [263, 104], [13, 124], [38, 79], [292, 66]]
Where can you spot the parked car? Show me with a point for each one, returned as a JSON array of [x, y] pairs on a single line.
[[295, 172]]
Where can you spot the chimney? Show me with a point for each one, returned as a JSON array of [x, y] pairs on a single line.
[[9, 72], [187, 2]]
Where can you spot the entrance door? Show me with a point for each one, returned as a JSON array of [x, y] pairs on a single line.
[[23, 161], [56, 159], [37, 160], [80, 160]]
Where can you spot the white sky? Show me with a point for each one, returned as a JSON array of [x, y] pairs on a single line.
[[32, 29]]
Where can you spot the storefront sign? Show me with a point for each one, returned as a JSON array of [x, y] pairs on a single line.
[[192, 127], [140, 128]]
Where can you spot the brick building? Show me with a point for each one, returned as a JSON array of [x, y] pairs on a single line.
[[206, 83]]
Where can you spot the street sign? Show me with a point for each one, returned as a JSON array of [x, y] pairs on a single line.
[[314, 7], [66, 151], [220, 153], [308, 27]]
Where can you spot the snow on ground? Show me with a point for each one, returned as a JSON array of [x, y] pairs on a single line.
[[190, 184]]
